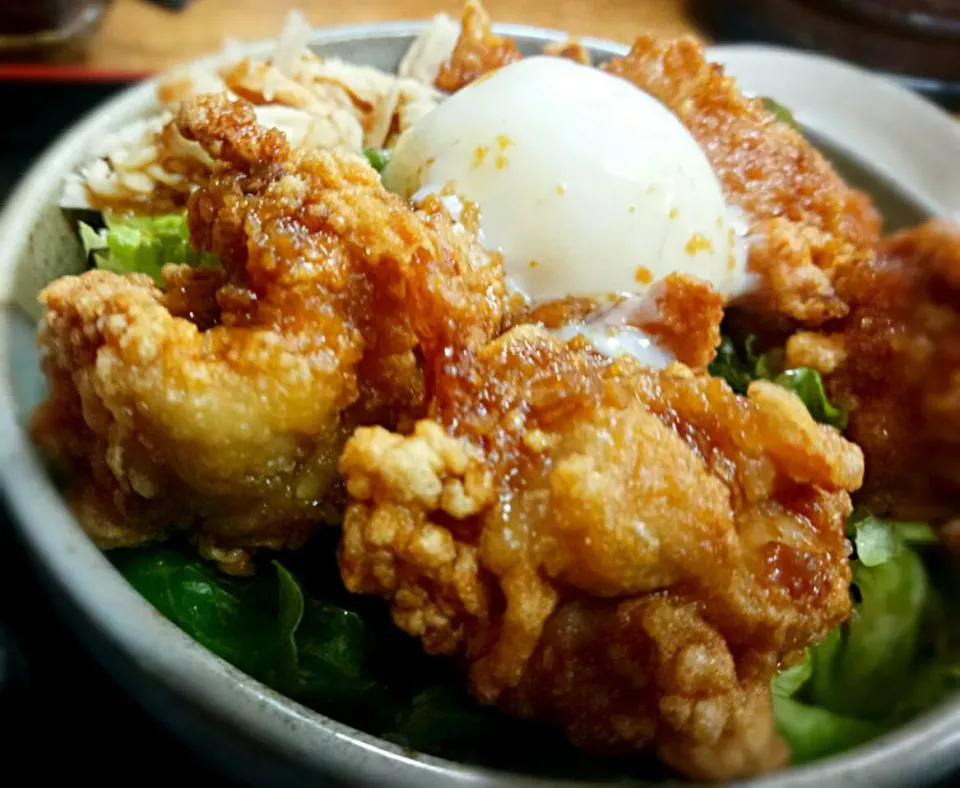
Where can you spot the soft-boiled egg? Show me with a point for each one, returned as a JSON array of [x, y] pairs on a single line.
[[586, 184]]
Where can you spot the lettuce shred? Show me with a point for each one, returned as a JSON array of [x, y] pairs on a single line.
[[742, 365], [898, 654], [379, 158], [141, 244]]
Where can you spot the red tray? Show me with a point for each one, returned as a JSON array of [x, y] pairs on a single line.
[[54, 72]]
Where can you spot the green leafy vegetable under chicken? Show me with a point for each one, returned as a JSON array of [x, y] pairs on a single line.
[[339, 654], [739, 366], [883, 665], [141, 244], [379, 158], [896, 656]]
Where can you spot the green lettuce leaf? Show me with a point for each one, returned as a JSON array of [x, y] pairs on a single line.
[[877, 647], [235, 619], [808, 385], [813, 732], [895, 657], [877, 541], [141, 244], [290, 606], [310, 649], [790, 681], [780, 112], [740, 366], [733, 366], [379, 158], [334, 649]]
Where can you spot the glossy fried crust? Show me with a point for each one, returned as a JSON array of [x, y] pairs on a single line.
[[685, 320], [166, 426], [478, 51], [806, 224], [681, 312], [895, 363], [624, 552], [221, 405]]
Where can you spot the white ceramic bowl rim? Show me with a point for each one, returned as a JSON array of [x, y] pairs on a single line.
[[927, 746]]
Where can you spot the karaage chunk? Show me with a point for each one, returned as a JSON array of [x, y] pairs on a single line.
[[223, 432], [895, 364], [617, 674], [805, 224], [624, 552], [221, 405], [682, 313], [478, 51]]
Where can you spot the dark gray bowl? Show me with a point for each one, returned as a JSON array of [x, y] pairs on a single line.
[[901, 144]]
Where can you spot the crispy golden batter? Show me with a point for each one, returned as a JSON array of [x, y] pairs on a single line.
[[624, 552], [683, 314], [171, 422], [221, 405], [895, 362], [651, 669], [686, 319], [478, 51], [806, 224], [571, 50]]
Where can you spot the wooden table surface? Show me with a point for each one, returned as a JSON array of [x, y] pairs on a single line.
[[137, 36]]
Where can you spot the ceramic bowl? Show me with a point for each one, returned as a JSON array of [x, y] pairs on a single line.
[[881, 136]]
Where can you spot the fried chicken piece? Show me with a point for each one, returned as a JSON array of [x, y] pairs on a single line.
[[167, 425], [895, 364], [685, 319], [682, 313], [478, 51], [571, 50], [221, 406], [626, 553], [806, 224]]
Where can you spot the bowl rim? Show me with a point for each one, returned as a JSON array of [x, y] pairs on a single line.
[[928, 745]]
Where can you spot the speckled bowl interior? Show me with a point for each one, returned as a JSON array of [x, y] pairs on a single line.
[[883, 138]]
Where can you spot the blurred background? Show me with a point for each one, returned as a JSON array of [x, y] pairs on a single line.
[[58, 58], [916, 39]]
